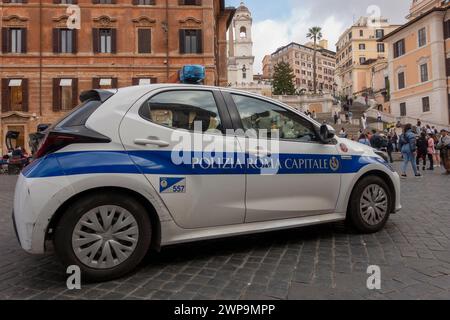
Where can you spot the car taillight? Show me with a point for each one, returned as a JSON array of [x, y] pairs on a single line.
[[56, 140]]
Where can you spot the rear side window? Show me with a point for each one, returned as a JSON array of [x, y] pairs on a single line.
[[183, 109], [79, 115]]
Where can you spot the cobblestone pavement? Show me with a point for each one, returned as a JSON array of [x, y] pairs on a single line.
[[322, 262]]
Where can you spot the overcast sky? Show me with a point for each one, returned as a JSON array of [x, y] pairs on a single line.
[[276, 23]]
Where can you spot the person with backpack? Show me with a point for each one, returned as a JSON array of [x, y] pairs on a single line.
[[422, 150], [408, 149], [431, 151]]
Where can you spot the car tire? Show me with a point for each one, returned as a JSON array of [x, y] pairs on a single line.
[[370, 205], [109, 262]]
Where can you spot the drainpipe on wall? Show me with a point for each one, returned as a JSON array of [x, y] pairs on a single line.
[[166, 29], [446, 82], [40, 58]]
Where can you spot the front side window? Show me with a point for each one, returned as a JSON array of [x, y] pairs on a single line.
[[17, 39], [379, 33], [403, 109], [186, 109], [264, 117], [380, 47]]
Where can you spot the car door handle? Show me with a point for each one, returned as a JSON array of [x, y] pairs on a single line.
[[260, 152], [152, 141]]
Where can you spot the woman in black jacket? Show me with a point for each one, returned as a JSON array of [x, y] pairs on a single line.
[[422, 151]]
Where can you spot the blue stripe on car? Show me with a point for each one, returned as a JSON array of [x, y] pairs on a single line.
[[160, 163]]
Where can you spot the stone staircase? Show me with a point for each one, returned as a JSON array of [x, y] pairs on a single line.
[[352, 128]]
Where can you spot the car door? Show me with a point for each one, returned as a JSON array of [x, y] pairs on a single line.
[[305, 179], [158, 133]]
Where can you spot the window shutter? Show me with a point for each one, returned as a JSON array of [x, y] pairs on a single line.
[[74, 92], [113, 41], [56, 95], [6, 103], [24, 40], [95, 1], [113, 1], [95, 40], [56, 41], [154, 80], [199, 41], [56, 1], [198, 2], [180, 2], [135, 2], [75, 41], [135, 81], [25, 95], [182, 40], [144, 40], [6, 1], [95, 83], [24, 1], [114, 83], [5, 40]]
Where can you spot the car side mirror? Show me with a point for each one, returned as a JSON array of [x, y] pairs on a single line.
[[326, 133]]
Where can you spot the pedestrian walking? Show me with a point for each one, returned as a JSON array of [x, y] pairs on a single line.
[[408, 148], [364, 122], [336, 118], [431, 151], [390, 148], [343, 133], [350, 116], [422, 151], [379, 118], [395, 141], [444, 147], [364, 140]]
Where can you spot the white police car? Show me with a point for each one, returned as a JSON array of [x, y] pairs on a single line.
[[126, 172]]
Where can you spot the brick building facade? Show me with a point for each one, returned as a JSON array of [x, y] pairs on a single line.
[[44, 64]]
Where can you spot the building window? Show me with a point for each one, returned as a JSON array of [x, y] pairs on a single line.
[[143, 2], [380, 47], [64, 40], [426, 104], [144, 81], [190, 2], [65, 94], [424, 72], [422, 36], [14, 95], [362, 46], [447, 29], [399, 48], [362, 60], [105, 83], [379, 33], [403, 109], [103, 1], [243, 32], [144, 40], [66, 1], [191, 41], [447, 63], [14, 40], [104, 40], [361, 33], [401, 80]]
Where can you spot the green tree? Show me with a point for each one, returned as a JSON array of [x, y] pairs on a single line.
[[315, 34], [283, 79]]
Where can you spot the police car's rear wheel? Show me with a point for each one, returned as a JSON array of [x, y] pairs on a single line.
[[107, 236], [369, 208]]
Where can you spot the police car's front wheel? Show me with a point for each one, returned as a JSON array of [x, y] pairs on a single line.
[[106, 235], [369, 207]]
